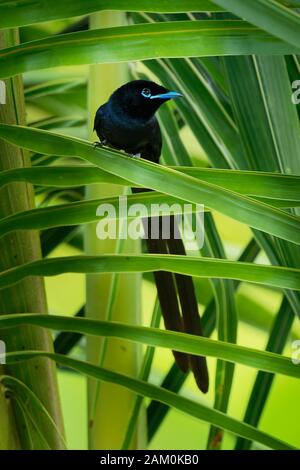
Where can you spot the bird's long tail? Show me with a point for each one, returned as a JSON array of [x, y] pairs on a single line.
[[189, 308], [166, 283]]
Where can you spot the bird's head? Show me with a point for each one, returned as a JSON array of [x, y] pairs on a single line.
[[142, 98]]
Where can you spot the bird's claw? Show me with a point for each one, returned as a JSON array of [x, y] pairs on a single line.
[[134, 155], [100, 144], [97, 144]]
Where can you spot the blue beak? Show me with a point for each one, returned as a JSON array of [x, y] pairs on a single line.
[[167, 96]]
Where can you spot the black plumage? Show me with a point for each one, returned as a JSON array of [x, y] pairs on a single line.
[[127, 122]]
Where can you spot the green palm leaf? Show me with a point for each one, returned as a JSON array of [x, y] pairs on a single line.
[[275, 276], [153, 176], [269, 15], [144, 388], [183, 342], [201, 38]]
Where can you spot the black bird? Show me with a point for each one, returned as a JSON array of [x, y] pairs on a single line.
[[127, 122]]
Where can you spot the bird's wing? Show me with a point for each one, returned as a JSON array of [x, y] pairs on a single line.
[[97, 120], [152, 149]]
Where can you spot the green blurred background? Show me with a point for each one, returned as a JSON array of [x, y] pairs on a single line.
[[256, 308]]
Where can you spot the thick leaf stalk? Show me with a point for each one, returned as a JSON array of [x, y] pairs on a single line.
[[29, 295]]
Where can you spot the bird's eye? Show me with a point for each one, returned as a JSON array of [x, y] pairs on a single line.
[[146, 92]]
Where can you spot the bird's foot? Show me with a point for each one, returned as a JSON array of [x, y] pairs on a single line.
[[97, 144], [100, 144], [134, 155]]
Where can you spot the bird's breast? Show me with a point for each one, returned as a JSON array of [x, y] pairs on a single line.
[[125, 132]]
